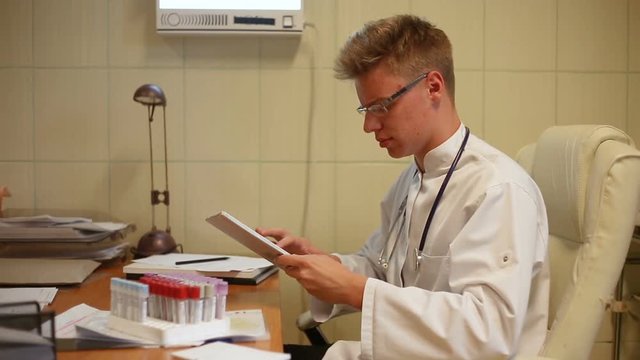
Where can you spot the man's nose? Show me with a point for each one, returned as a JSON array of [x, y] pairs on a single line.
[[371, 123]]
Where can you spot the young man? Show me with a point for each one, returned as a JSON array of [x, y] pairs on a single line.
[[457, 269]]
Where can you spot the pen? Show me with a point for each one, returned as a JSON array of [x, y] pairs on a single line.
[[185, 262]]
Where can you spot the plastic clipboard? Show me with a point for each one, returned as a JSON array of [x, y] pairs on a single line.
[[246, 236]]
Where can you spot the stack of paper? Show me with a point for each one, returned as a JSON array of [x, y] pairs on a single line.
[[62, 237], [234, 269]]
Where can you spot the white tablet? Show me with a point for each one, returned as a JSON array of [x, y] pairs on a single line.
[[246, 236]]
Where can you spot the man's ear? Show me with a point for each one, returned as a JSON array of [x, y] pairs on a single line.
[[435, 84]]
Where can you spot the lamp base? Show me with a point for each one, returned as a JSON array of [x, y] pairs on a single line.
[[155, 242]]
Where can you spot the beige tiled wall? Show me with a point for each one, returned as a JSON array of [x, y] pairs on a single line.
[[259, 127]]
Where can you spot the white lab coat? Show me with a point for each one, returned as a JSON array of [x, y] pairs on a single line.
[[482, 289]]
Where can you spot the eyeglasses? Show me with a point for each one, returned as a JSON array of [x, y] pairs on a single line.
[[382, 107]]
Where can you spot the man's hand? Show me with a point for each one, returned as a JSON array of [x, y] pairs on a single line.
[[324, 277], [293, 244]]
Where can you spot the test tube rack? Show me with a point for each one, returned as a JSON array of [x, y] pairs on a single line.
[[167, 333]]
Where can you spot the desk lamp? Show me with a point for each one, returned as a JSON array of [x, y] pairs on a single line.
[[155, 241]]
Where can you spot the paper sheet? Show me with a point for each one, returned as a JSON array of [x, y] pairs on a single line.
[[43, 295], [223, 350], [66, 322], [45, 271]]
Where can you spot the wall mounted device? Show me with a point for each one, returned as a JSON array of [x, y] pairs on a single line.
[[182, 17]]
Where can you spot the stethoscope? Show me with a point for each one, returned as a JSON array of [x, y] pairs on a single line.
[[400, 218]]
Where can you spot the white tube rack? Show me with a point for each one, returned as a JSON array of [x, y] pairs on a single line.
[[167, 333]]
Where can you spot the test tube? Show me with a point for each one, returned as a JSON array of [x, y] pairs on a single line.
[[114, 296], [143, 295], [209, 303], [222, 289], [121, 298], [171, 306], [195, 305]]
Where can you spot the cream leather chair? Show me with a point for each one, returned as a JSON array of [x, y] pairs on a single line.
[[589, 176]]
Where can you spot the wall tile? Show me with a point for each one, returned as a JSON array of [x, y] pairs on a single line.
[[519, 106], [634, 35], [315, 48], [129, 196], [70, 32], [285, 100], [470, 99], [133, 40], [19, 178], [633, 119], [16, 33], [72, 186], [289, 106], [321, 217], [282, 200], [359, 190], [222, 52], [601, 351], [212, 187], [71, 115], [592, 99], [16, 118], [521, 35], [216, 127], [467, 40], [592, 35], [128, 120]]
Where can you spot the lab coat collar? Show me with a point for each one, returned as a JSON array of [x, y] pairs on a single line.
[[437, 161]]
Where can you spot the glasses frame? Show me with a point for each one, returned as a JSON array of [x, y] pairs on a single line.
[[382, 107]]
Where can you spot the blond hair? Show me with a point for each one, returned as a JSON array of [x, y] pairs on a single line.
[[407, 44]]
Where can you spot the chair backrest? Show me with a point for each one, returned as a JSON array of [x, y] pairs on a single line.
[[589, 176]]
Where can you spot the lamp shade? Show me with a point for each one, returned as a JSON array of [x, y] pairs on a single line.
[[150, 94]]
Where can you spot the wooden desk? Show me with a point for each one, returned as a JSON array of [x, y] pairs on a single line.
[[94, 291]]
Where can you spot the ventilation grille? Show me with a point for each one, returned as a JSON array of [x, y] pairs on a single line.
[[175, 19]]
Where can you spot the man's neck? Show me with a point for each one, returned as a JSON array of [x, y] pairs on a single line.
[[447, 130]]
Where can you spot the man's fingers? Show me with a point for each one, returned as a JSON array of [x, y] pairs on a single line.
[[276, 233], [289, 260]]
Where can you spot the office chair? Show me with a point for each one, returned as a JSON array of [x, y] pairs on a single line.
[[589, 176]]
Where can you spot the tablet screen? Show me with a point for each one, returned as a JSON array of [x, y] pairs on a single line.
[[246, 236]]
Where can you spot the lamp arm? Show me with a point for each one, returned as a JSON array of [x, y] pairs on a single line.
[[150, 110], [166, 168]]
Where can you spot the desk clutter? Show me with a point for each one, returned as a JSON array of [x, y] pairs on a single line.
[[46, 236]]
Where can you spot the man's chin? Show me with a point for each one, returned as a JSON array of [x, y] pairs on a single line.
[[396, 153]]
